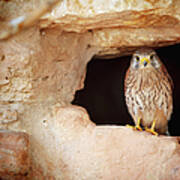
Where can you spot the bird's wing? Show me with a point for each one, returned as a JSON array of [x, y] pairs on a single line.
[[164, 70], [125, 79]]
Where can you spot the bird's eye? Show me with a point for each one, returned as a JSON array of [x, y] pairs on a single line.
[[152, 57], [137, 58]]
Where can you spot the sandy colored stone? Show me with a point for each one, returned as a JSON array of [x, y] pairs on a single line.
[[117, 27], [14, 155], [89, 8], [42, 67], [16, 15], [120, 33], [74, 148]]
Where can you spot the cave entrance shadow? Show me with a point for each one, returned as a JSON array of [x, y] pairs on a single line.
[[103, 93]]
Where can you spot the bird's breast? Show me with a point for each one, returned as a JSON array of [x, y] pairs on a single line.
[[148, 91]]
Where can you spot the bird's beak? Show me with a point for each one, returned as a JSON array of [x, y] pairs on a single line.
[[144, 61]]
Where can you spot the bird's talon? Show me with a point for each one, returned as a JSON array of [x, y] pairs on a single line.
[[138, 128], [151, 131]]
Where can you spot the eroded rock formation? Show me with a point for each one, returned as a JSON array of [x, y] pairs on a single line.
[[14, 155], [42, 66]]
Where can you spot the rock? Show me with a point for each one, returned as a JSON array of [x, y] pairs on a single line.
[[16, 15], [34, 67], [117, 27], [82, 150], [14, 155], [44, 65], [7, 116]]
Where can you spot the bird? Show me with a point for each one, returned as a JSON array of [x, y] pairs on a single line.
[[148, 90]]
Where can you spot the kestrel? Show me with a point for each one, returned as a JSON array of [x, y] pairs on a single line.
[[148, 92]]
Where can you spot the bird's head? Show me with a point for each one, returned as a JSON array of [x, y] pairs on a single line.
[[145, 58]]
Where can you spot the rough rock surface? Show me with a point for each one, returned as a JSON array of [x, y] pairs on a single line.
[[14, 155], [118, 27], [16, 15], [82, 150], [42, 67]]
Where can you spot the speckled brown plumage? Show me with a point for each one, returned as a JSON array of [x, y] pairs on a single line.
[[148, 90]]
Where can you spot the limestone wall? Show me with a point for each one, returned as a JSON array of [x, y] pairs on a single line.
[[42, 64]]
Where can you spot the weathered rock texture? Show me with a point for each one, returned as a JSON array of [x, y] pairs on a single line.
[[74, 148], [16, 15], [41, 68], [118, 27], [14, 155]]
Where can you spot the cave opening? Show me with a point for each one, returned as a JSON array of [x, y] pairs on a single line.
[[103, 93]]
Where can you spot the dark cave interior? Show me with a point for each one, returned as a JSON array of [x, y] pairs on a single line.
[[103, 93]]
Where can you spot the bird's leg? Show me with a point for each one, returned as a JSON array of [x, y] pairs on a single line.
[[151, 130], [137, 126]]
